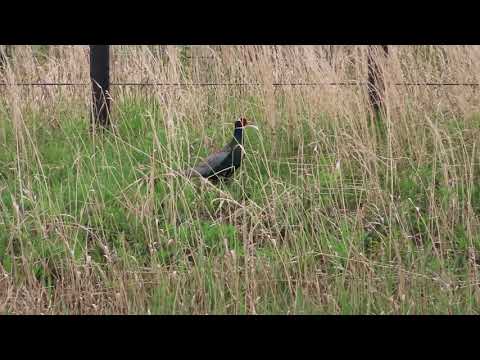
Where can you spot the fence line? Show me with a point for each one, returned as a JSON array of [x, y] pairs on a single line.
[[347, 83], [100, 81]]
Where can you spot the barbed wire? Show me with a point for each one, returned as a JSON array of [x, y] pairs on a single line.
[[347, 83]]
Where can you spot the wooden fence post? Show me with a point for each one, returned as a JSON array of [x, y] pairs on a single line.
[[375, 81], [100, 77]]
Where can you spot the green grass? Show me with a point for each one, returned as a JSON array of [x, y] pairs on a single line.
[[291, 234]]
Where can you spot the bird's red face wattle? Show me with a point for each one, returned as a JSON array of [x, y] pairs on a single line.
[[243, 121]]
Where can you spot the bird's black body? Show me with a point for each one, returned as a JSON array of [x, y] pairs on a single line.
[[223, 163]]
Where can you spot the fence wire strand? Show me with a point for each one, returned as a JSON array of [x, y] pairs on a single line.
[[347, 83]]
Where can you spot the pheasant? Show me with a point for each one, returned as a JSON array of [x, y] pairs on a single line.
[[223, 163]]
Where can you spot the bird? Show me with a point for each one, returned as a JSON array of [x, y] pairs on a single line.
[[223, 163]]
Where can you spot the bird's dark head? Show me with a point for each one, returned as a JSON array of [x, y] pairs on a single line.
[[239, 126], [241, 122]]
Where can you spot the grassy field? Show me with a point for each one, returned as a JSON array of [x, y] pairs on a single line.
[[334, 210]]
